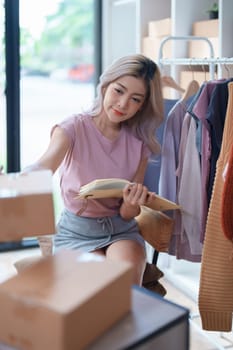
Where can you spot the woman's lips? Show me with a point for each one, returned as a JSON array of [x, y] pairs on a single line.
[[118, 112]]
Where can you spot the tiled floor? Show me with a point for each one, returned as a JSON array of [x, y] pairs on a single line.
[[199, 339]]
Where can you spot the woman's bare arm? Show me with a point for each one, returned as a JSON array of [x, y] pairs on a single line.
[[55, 153]]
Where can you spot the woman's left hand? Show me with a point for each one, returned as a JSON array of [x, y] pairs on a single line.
[[134, 195]]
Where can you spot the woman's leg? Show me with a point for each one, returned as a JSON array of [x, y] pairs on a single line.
[[130, 251]]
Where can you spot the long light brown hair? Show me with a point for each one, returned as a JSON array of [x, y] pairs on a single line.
[[145, 122]]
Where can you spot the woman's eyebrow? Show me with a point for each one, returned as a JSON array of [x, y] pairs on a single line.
[[134, 93]]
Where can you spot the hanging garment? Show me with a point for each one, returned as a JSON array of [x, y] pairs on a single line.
[[189, 189], [169, 177], [152, 174], [203, 144], [227, 200], [216, 119], [216, 279], [170, 149]]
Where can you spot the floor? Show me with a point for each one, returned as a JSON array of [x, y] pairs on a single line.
[[199, 340]]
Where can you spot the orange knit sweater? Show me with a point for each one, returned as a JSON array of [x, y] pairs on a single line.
[[227, 200], [216, 279]]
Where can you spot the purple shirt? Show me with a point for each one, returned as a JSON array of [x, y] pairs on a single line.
[[199, 110]]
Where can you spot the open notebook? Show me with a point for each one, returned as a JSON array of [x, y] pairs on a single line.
[[110, 188]]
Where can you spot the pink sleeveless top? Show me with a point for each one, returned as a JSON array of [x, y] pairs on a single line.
[[93, 156]]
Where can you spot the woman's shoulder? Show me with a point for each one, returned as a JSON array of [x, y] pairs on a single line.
[[74, 124], [76, 120]]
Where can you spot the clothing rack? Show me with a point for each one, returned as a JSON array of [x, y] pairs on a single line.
[[211, 61]]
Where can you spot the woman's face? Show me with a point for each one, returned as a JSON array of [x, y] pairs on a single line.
[[123, 98]]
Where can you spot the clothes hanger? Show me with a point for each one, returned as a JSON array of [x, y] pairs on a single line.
[[168, 81], [191, 89]]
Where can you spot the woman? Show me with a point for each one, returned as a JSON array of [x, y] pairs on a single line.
[[114, 139]]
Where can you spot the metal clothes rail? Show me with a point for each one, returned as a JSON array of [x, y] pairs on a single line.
[[211, 60]]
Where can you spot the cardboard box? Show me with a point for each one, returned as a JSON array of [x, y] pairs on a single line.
[[64, 302], [201, 49], [150, 48], [206, 28], [159, 28], [26, 205]]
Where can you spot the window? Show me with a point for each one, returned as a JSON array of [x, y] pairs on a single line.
[[57, 69], [57, 72]]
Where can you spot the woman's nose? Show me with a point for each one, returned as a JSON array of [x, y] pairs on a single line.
[[123, 102]]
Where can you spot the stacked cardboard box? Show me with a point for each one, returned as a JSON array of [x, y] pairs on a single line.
[[157, 30], [208, 29], [200, 49]]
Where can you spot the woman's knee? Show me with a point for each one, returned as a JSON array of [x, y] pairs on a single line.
[[132, 252]]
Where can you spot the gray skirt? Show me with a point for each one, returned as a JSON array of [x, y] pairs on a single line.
[[88, 234]]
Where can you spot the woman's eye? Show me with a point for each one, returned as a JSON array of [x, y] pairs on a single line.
[[118, 91], [137, 100]]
